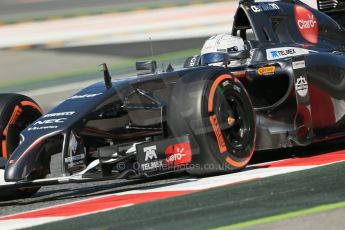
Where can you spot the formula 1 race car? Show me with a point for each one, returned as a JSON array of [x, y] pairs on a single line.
[[289, 91]]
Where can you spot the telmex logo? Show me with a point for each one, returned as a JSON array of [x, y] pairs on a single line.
[[150, 153], [285, 52], [307, 24], [282, 53]]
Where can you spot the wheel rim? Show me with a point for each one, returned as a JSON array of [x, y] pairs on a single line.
[[234, 122]]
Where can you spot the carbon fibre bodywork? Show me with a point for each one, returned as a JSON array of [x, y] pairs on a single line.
[[295, 79], [312, 38]]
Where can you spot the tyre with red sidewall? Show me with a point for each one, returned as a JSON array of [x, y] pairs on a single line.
[[213, 107], [16, 113]]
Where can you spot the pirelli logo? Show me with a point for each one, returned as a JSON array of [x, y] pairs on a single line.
[[218, 133]]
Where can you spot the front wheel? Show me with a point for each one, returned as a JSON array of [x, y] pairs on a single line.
[[213, 107], [16, 113]]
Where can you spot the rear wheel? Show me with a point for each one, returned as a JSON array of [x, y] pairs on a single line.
[[213, 107], [16, 113]]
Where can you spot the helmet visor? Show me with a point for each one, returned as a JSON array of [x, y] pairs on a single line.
[[210, 58]]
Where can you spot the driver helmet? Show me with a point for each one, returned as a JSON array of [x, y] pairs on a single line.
[[212, 53]]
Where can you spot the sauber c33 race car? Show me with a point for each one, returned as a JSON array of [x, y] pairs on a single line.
[[287, 91]]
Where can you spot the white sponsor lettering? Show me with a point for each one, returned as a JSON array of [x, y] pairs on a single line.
[[255, 9], [175, 157], [151, 165], [264, 7], [307, 24], [192, 61], [225, 83], [59, 114], [298, 64], [50, 121], [42, 128], [84, 96], [284, 52], [150, 152], [301, 86]]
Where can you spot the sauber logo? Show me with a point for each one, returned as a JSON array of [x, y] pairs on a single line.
[[301, 86], [150, 153], [307, 24]]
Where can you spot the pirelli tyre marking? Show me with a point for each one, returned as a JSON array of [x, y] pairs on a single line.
[[17, 111], [224, 80], [15, 114]]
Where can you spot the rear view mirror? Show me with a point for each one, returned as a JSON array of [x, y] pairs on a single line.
[[146, 67]]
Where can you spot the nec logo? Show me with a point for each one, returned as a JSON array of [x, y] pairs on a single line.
[[50, 121], [307, 24], [150, 153]]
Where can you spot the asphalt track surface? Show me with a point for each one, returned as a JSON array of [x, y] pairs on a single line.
[[214, 208], [227, 206]]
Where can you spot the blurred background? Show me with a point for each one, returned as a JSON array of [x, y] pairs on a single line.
[[51, 48]]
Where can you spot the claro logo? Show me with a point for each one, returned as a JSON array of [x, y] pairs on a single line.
[[307, 24]]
